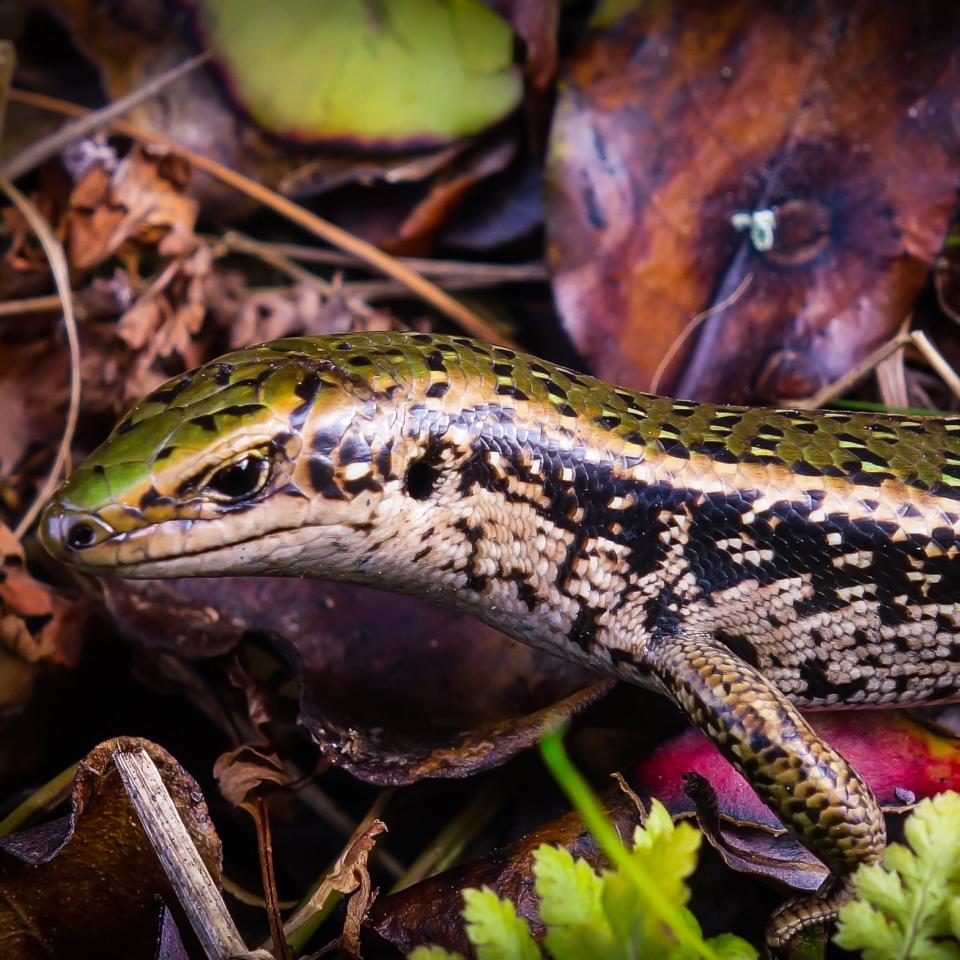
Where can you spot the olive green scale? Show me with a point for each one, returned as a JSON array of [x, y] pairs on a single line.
[[920, 451]]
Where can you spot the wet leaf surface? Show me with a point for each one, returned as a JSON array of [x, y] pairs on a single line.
[[89, 884], [679, 118], [393, 690]]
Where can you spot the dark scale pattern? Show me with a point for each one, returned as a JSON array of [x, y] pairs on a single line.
[[744, 561]]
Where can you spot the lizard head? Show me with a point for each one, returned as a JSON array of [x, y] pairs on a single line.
[[232, 468]]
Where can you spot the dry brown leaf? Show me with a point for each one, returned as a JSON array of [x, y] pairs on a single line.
[[245, 772], [166, 320], [681, 122], [142, 202], [37, 624], [351, 877]]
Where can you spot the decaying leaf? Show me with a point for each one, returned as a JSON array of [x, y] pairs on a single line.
[[683, 122], [245, 771], [350, 877], [89, 884], [899, 757], [392, 689], [141, 200], [32, 395], [429, 912]]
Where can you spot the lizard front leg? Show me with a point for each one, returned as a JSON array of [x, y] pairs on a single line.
[[807, 784]]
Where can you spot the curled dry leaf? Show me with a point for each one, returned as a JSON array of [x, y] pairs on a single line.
[[300, 311], [247, 771], [166, 319], [89, 884], [37, 624], [680, 122], [142, 201], [350, 877], [393, 690]]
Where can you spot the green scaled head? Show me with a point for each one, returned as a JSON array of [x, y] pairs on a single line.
[[228, 468]]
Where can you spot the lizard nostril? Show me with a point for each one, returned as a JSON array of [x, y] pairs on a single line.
[[80, 535]]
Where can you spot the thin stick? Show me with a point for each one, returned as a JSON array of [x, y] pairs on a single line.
[[8, 63], [692, 325], [49, 303], [460, 269], [261, 817], [265, 252], [42, 799], [330, 232], [853, 376], [61, 277], [936, 360], [186, 871], [373, 291], [49, 146]]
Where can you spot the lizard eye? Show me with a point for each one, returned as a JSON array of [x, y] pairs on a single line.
[[239, 480]]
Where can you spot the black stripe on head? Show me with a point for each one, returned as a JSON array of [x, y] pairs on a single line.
[[205, 421], [166, 394], [307, 390]]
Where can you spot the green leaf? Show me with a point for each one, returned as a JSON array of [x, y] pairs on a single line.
[[494, 928], [570, 893], [391, 73], [636, 929], [728, 946], [433, 953], [647, 884], [904, 909], [955, 916], [667, 851]]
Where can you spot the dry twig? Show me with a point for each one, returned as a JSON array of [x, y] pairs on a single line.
[[692, 325], [61, 277], [188, 875], [324, 229], [49, 146]]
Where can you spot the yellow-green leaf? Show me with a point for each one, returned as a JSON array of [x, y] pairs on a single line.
[[391, 73], [433, 953], [904, 909], [494, 928], [570, 893]]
